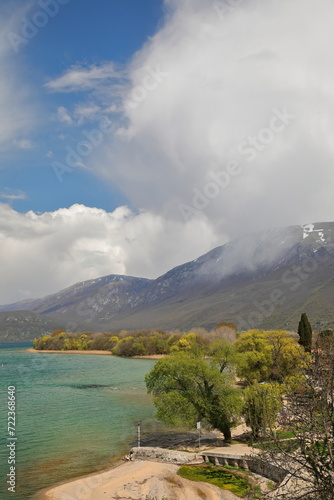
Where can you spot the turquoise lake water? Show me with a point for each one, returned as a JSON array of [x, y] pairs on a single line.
[[75, 414]]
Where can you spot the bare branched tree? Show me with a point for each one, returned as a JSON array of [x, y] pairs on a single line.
[[308, 457]]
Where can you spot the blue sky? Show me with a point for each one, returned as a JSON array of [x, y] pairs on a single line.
[[82, 32], [136, 135]]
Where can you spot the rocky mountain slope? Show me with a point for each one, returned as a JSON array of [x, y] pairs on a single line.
[[259, 280], [25, 325]]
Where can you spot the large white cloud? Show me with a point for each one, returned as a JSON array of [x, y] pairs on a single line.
[[252, 84], [44, 253], [208, 81]]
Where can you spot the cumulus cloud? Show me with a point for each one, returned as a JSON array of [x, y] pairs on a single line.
[[205, 90], [50, 251]]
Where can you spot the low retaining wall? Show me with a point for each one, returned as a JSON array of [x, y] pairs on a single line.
[[164, 455], [247, 462]]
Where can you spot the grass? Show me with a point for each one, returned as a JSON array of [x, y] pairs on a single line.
[[288, 446], [285, 440], [281, 434], [218, 476], [271, 485]]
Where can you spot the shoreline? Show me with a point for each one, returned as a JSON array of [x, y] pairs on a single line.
[[137, 479], [134, 474], [43, 494], [98, 353]]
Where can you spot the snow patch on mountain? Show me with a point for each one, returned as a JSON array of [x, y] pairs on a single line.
[[309, 229]]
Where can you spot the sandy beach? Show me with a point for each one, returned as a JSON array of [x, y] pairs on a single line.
[[135, 481], [102, 353]]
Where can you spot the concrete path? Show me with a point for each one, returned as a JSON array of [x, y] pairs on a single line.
[[235, 449]]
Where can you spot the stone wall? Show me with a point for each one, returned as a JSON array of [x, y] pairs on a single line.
[[164, 455], [247, 462]]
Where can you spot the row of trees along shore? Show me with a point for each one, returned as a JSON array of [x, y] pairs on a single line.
[[156, 341], [135, 343]]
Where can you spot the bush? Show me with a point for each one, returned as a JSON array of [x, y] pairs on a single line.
[[55, 333]]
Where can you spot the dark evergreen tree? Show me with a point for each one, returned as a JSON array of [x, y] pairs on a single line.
[[305, 332]]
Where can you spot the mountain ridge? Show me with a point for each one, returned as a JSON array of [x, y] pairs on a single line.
[[228, 283]]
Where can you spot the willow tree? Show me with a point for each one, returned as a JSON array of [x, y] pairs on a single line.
[[188, 389]]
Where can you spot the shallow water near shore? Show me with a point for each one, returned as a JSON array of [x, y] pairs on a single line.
[[74, 415]]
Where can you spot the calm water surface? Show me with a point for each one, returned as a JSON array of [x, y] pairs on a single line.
[[75, 414]]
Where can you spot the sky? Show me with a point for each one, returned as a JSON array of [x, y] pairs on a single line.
[[138, 135]]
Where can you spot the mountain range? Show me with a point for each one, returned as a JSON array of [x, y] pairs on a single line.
[[262, 280]]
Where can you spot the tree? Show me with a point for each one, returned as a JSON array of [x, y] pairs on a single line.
[[222, 353], [289, 360], [268, 356], [188, 389], [309, 417], [227, 331], [55, 333], [262, 404], [305, 333], [125, 347], [189, 342], [254, 356]]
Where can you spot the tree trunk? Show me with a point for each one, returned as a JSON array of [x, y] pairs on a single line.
[[226, 430]]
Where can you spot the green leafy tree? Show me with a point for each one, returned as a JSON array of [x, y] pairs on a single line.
[[55, 333], [189, 342], [268, 356], [222, 353], [138, 349], [124, 347], [305, 332], [254, 356], [262, 404], [187, 389], [289, 361]]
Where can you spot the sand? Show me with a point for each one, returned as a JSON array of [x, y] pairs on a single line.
[[135, 481], [108, 353], [105, 353]]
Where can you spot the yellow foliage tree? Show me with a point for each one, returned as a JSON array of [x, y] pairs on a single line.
[[264, 356]]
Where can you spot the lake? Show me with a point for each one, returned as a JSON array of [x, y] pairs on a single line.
[[75, 414]]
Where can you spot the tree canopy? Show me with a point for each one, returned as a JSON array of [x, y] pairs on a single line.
[[261, 407], [268, 356], [187, 389]]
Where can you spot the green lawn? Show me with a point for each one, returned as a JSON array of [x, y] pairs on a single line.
[[218, 476]]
